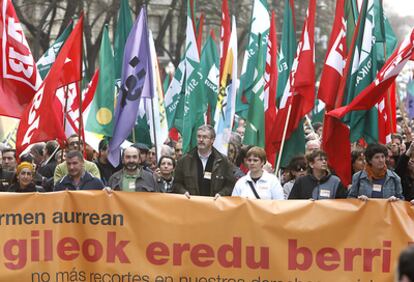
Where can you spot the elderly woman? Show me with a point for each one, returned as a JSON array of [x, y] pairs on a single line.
[[24, 179], [258, 184], [376, 180]]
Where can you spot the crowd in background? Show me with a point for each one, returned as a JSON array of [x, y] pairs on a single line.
[[379, 171]]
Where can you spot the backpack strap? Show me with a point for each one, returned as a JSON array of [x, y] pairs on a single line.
[[253, 189]]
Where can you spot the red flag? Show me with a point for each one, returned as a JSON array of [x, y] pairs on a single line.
[[19, 76], [387, 115], [225, 32], [385, 77], [333, 69], [364, 101], [270, 89], [72, 104], [300, 90], [42, 120]]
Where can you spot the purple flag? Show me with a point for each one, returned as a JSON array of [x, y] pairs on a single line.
[[135, 84]]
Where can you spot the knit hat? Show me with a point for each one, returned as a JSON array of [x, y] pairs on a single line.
[[23, 165]]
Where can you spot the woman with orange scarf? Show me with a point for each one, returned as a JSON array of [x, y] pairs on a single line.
[[376, 180]]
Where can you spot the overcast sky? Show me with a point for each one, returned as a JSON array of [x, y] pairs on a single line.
[[402, 7]]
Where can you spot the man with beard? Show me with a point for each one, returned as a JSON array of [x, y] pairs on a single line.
[[132, 177], [203, 171]]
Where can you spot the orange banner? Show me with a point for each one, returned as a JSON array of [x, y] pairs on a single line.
[[149, 237]]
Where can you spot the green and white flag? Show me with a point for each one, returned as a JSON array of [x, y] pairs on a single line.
[[46, 61], [193, 115], [100, 118], [363, 71], [210, 71], [260, 24], [174, 98], [255, 126], [287, 51]]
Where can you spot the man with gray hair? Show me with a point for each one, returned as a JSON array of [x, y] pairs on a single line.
[[204, 171]]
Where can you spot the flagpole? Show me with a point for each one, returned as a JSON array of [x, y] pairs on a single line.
[[65, 115], [279, 157], [80, 127], [153, 128], [388, 100], [153, 94]]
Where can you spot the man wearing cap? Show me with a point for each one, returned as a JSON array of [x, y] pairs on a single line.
[[74, 143], [77, 178], [106, 169], [204, 171], [143, 155]]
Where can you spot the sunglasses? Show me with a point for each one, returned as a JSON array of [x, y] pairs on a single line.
[[300, 168]]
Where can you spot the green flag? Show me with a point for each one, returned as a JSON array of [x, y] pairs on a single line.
[[255, 134], [260, 24], [209, 68], [287, 49], [123, 28], [364, 68], [174, 102], [193, 84], [318, 111], [45, 62], [100, 119], [294, 146]]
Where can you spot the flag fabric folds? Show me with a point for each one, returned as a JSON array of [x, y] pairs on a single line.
[[226, 102], [46, 61], [366, 100], [135, 84], [299, 95], [42, 120], [19, 76], [270, 89], [100, 118], [250, 73]]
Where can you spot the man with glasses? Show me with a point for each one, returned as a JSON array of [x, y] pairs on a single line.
[[203, 171], [74, 143], [320, 183]]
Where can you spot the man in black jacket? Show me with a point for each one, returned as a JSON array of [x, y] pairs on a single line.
[[204, 171], [77, 178]]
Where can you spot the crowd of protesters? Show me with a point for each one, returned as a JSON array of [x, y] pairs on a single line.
[[379, 171]]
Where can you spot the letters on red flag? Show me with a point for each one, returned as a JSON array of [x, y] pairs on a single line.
[[42, 120], [19, 76], [299, 94]]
